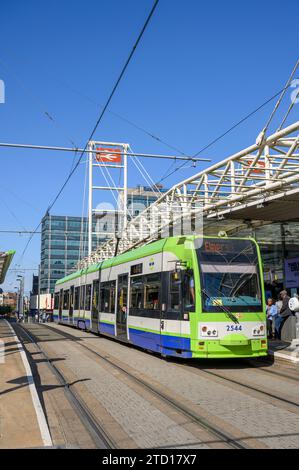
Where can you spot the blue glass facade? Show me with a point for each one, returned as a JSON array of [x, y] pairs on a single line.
[[64, 239], [63, 244]]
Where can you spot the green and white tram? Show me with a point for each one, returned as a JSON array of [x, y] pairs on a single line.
[[186, 296]]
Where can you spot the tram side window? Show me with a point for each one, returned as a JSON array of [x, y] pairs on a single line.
[[152, 288], [95, 295], [174, 291], [56, 301], [60, 299], [136, 300], [66, 299], [108, 297], [82, 297], [77, 296], [87, 296]]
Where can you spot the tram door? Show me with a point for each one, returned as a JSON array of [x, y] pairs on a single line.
[[60, 304], [95, 306], [122, 306], [71, 310]]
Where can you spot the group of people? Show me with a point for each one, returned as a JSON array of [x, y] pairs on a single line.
[[42, 317], [277, 313]]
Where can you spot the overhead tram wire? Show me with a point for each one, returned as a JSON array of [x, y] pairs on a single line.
[[167, 175], [152, 135], [101, 114], [39, 103]]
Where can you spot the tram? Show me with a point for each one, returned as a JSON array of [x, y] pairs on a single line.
[[186, 296]]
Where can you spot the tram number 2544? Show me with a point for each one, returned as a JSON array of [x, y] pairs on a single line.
[[233, 327]]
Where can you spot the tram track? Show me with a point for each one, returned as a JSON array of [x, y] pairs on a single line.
[[256, 390], [274, 373], [227, 379], [98, 434], [215, 431]]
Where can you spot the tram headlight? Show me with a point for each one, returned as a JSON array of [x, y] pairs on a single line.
[[258, 330], [209, 331]]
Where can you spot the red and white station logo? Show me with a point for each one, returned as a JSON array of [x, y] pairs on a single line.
[[112, 155]]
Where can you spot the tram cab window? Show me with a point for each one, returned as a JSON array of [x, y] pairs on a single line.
[[66, 299], [87, 296], [77, 296], [107, 303], [188, 290], [136, 292], [152, 288]]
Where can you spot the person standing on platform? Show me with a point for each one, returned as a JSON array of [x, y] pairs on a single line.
[[272, 312], [284, 313]]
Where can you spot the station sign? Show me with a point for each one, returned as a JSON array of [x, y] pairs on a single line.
[[108, 155], [292, 272]]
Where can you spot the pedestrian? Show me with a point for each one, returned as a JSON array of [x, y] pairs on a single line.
[[278, 304], [272, 312], [284, 313]]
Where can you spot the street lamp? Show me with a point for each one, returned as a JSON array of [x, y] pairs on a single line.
[[20, 279]]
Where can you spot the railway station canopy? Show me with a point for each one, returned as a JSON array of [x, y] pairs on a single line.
[[5, 260], [259, 183]]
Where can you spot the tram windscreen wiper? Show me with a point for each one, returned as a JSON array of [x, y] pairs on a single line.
[[226, 311]]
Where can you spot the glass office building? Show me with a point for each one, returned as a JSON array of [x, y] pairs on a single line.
[[63, 244], [64, 239]]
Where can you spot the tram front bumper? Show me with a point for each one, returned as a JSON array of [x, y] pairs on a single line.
[[231, 347]]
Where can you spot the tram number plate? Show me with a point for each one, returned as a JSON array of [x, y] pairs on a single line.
[[233, 327]]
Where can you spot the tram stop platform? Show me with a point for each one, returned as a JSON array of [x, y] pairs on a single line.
[[284, 351], [22, 422]]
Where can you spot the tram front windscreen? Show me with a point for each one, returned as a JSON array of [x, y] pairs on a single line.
[[229, 276]]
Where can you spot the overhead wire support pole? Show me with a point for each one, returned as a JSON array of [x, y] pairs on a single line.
[[125, 202], [90, 183]]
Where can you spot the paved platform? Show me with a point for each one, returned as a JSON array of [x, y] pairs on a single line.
[[22, 424], [283, 351], [235, 405]]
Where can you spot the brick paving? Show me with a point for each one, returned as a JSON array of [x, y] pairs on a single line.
[[269, 423], [140, 419]]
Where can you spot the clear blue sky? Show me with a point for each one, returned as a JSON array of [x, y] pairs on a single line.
[[201, 66]]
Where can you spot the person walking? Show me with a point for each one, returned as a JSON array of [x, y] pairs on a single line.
[[284, 313], [272, 312]]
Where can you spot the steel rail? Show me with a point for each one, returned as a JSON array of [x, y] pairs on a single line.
[[217, 432], [99, 436], [249, 387]]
